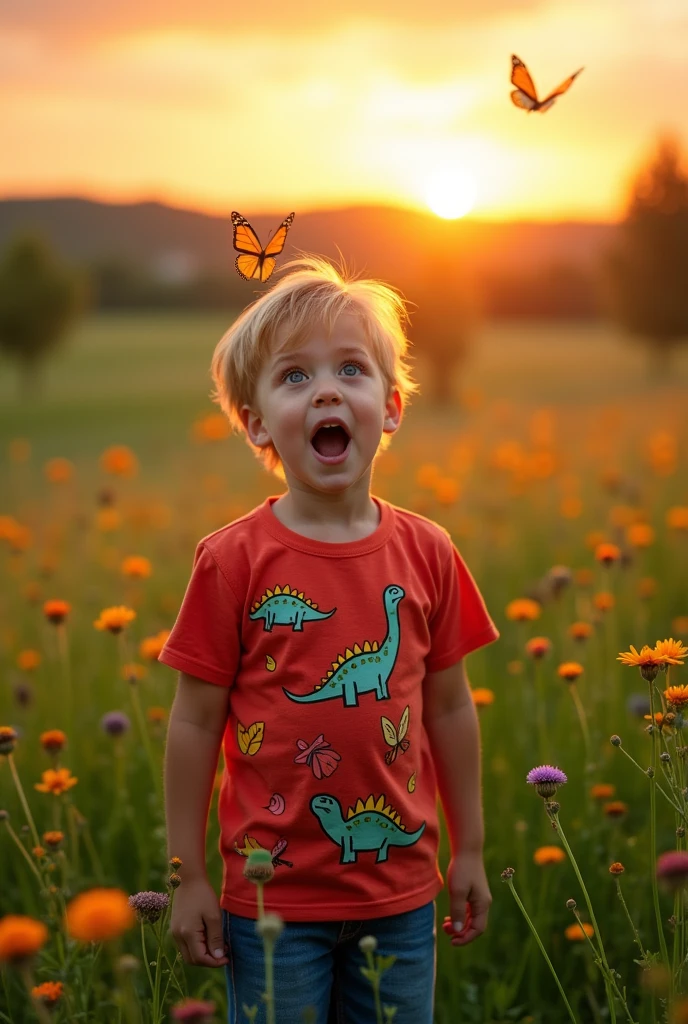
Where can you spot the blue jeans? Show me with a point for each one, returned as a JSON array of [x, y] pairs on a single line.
[[316, 963]]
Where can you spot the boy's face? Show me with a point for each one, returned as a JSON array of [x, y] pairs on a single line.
[[325, 379]]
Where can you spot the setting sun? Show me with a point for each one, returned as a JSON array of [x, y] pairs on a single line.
[[450, 193]]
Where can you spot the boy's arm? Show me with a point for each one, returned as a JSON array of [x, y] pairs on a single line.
[[196, 726], [451, 722]]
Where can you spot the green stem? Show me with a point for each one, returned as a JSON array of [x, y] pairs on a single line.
[[582, 718], [593, 920], [145, 956], [653, 838], [22, 798], [269, 980], [609, 980], [22, 848], [542, 949], [145, 739], [664, 794], [630, 919]]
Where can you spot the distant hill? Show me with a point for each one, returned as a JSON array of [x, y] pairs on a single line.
[[177, 245]]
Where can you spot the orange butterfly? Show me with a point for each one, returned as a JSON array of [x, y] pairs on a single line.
[[254, 261], [525, 94]]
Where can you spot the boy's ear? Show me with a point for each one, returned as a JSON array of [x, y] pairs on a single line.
[[393, 412], [254, 427]]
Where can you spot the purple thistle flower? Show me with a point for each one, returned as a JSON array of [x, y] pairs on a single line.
[[193, 1011], [149, 905], [672, 869], [115, 723], [546, 778]]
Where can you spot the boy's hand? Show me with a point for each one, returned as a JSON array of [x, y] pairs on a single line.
[[469, 898], [196, 924]]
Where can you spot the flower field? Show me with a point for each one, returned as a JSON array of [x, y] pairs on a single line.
[[561, 474]]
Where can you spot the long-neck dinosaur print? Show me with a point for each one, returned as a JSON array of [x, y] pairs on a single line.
[[362, 669], [369, 826], [286, 607]]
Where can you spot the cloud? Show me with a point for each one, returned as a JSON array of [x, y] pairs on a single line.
[[75, 21]]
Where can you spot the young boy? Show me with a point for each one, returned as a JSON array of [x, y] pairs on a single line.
[[321, 641]]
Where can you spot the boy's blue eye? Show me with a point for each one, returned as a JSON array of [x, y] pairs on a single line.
[[287, 375]]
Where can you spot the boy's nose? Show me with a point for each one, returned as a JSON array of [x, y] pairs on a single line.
[[326, 396]]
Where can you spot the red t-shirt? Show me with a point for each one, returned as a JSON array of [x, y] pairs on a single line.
[[325, 648]]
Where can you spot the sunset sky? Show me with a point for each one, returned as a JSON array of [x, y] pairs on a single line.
[[274, 106]]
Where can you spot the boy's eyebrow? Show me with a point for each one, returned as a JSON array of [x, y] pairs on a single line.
[[346, 350]]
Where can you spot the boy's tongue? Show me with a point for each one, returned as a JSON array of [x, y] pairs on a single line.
[[329, 441]]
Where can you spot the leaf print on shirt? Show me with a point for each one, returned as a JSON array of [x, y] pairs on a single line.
[[270, 663], [319, 755], [364, 669], [250, 843], [250, 739], [395, 738], [285, 606]]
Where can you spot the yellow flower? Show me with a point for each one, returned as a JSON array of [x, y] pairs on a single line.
[[549, 855], [671, 651], [20, 937], [137, 567], [98, 915], [647, 656], [56, 781], [115, 619], [523, 609], [677, 696]]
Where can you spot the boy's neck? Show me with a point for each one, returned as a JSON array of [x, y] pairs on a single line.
[[334, 519]]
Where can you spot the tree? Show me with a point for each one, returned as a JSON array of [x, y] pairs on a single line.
[[40, 299], [442, 312], [646, 280]]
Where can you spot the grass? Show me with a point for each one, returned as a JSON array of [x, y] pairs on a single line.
[[543, 413]]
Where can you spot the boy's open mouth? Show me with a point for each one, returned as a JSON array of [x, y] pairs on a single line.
[[330, 441]]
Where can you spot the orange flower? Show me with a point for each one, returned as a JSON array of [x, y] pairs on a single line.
[[28, 660], [671, 651], [602, 791], [615, 809], [538, 646], [53, 740], [676, 696], [108, 520], [482, 697], [98, 915], [616, 868], [570, 671], [647, 587], [58, 471], [603, 601], [151, 646], [115, 619], [53, 839], [137, 567], [49, 993], [640, 535], [213, 427], [680, 624], [156, 715], [584, 577], [607, 554], [662, 721], [56, 611], [578, 932], [56, 781], [20, 937], [119, 460], [580, 631], [133, 672], [446, 490], [427, 475], [8, 738], [38, 852], [523, 609], [549, 855], [677, 517]]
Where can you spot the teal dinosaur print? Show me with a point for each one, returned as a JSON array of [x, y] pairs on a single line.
[[286, 607], [363, 669], [372, 825]]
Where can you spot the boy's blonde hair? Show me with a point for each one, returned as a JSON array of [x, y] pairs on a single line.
[[313, 293]]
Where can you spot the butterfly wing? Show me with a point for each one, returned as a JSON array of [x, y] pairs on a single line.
[[245, 239], [560, 90], [248, 266], [276, 243], [266, 268], [523, 82], [524, 102]]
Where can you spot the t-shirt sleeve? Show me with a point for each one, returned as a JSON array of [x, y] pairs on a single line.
[[461, 622], [206, 638]]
